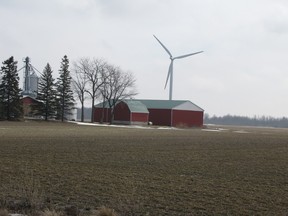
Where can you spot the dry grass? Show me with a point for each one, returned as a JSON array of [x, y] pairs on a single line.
[[4, 212], [48, 212], [104, 211], [143, 172]]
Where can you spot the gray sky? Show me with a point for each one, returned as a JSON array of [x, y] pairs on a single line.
[[242, 71]]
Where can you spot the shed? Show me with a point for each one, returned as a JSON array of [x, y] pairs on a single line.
[[28, 102], [131, 112], [175, 113], [102, 112]]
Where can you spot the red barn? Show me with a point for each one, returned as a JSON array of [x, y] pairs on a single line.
[[160, 112], [102, 114], [175, 113], [28, 102], [130, 112]]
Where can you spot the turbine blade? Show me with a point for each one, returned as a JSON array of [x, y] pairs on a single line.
[[183, 56], [169, 73], [163, 46]]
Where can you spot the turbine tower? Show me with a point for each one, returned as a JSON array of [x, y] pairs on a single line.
[[170, 70]]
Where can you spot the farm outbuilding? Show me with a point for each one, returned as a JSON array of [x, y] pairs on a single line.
[[28, 102], [130, 112], [175, 113]]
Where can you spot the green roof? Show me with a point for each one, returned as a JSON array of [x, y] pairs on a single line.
[[162, 104], [142, 106], [100, 105], [171, 104], [136, 106]]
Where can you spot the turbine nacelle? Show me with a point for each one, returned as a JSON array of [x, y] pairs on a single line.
[[170, 70]]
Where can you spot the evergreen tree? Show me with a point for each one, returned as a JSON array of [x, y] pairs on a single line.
[[65, 99], [46, 95], [10, 104]]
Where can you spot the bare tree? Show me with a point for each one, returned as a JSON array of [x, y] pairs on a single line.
[[94, 75], [118, 85], [79, 83], [93, 71]]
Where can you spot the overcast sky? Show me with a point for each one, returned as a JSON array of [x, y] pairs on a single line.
[[243, 69]]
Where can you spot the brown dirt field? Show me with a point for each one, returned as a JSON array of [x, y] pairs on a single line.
[[236, 171]]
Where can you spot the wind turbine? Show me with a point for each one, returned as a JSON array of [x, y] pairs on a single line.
[[170, 71]]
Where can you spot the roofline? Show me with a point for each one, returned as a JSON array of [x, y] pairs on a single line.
[[194, 105], [169, 100], [140, 100]]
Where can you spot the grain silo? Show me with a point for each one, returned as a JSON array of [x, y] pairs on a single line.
[[30, 86]]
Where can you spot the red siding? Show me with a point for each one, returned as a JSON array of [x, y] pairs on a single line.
[[28, 100], [160, 117], [121, 112], [98, 112], [140, 117], [180, 118], [27, 103], [187, 118]]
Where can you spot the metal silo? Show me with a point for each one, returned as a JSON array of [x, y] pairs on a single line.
[[33, 84], [30, 86]]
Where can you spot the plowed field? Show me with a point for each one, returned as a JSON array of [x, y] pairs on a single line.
[[231, 171]]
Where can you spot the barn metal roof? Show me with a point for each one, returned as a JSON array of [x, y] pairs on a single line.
[[142, 106], [171, 104], [100, 105], [136, 106]]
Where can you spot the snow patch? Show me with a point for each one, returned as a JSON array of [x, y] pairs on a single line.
[[214, 129], [241, 131], [124, 126], [211, 130]]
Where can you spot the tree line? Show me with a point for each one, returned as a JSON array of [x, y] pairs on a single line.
[[95, 79], [100, 81], [263, 121], [54, 99]]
